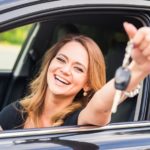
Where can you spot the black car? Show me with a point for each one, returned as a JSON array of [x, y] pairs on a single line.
[[46, 22]]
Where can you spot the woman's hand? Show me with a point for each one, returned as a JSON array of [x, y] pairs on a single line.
[[141, 52]]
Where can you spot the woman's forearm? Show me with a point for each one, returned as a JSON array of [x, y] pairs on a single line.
[[101, 103], [103, 99]]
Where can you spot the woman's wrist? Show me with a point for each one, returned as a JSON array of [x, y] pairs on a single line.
[[137, 70], [137, 75]]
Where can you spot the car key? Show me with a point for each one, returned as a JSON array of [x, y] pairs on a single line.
[[122, 77]]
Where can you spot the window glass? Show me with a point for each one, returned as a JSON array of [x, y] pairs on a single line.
[[10, 45]]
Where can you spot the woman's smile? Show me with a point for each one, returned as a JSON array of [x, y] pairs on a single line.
[[61, 81]]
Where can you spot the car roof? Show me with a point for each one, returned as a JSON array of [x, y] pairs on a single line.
[[12, 11], [11, 3]]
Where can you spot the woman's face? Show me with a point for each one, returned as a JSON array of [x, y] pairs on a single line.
[[67, 72]]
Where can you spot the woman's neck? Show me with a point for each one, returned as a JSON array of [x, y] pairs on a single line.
[[53, 104]]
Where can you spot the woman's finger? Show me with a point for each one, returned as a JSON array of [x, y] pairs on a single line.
[[137, 56], [142, 37], [146, 51], [130, 29], [146, 42]]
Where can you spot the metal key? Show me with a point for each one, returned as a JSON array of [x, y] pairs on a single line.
[[117, 98], [122, 77]]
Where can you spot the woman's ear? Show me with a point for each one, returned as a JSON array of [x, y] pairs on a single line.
[[86, 88]]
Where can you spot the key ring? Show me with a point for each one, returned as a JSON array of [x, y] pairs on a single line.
[[127, 56], [126, 62], [122, 78]]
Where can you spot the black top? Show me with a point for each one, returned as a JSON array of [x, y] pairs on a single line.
[[13, 117]]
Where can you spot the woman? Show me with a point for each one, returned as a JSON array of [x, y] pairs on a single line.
[[70, 90]]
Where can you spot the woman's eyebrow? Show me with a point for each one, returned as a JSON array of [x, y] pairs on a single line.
[[77, 62]]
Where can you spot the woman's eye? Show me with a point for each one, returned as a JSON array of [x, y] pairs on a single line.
[[60, 59], [78, 69]]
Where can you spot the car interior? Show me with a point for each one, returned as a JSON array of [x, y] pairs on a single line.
[[106, 28]]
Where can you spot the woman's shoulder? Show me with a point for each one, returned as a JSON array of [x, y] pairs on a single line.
[[12, 115], [13, 107], [17, 106]]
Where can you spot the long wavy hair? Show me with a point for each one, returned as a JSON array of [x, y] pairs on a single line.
[[33, 104]]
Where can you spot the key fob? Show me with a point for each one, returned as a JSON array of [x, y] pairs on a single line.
[[122, 78]]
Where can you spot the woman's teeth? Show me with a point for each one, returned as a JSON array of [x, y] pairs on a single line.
[[61, 80]]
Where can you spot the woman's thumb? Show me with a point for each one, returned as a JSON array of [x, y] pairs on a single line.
[[130, 29]]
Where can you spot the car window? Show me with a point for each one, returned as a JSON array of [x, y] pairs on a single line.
[[10, 46], [108, 34]]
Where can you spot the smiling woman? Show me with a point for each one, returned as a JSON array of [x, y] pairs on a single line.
[[57, 95], [67, 61]]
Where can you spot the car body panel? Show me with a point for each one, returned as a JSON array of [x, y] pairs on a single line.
[[113, 136]]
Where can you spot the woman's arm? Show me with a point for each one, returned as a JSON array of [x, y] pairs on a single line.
[[98, 110]]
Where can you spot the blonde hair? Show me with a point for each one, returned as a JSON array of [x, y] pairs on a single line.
[[34, 102]]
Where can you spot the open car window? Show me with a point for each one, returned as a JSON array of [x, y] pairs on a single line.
[[105, 27]]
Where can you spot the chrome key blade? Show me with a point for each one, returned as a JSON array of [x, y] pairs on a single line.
[[116, 100]]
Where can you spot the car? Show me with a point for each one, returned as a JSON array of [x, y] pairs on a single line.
[[48, 21]]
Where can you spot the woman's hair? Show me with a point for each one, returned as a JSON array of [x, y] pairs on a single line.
[[34, 102]]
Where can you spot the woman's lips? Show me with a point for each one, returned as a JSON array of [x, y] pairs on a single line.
[[62, 80]]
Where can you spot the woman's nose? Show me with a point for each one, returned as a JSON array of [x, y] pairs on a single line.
[[66, 69]]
